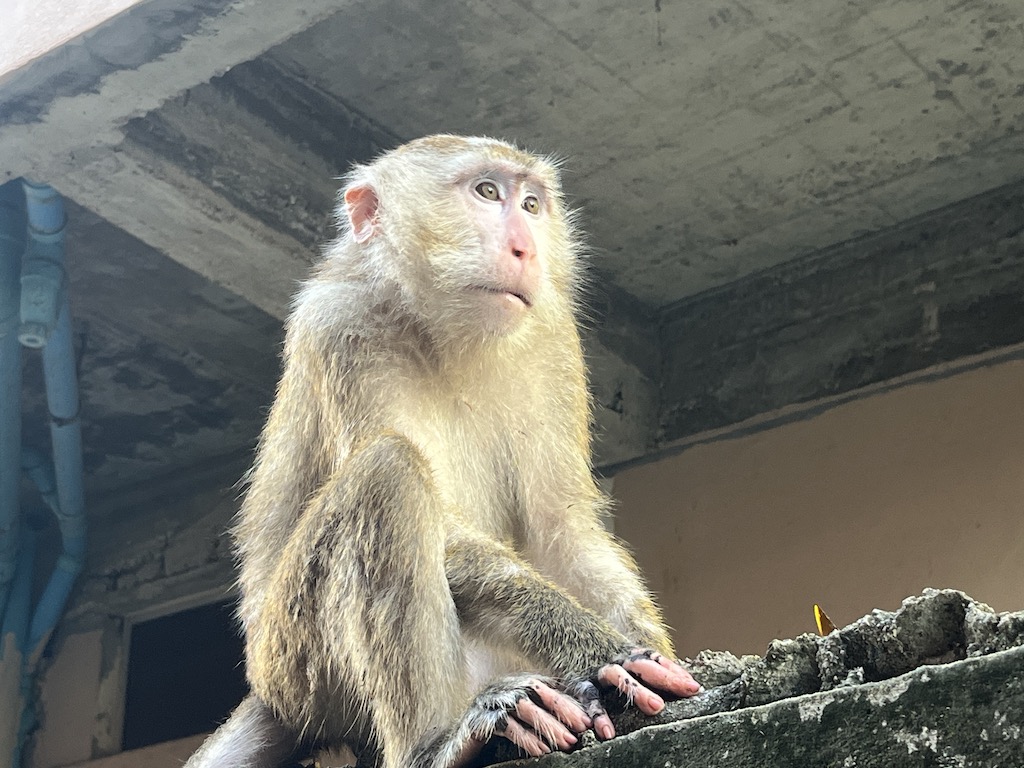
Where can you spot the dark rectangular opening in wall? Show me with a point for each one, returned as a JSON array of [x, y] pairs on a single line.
[[185, 675]]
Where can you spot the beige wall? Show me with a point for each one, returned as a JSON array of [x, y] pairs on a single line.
[[855, 508], [170, 754]]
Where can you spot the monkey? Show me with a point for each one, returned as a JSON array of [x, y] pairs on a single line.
[[422, 560]]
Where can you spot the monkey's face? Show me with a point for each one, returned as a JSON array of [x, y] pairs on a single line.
[[474, 231], [497, 279]]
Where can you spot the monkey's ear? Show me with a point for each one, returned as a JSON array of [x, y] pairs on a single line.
[[361, 207]]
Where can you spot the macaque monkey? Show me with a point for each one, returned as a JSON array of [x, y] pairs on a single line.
[[422, 562]]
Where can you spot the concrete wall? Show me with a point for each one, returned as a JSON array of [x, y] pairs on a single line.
[[854, 508]]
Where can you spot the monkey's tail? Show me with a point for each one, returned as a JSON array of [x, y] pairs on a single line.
[[252, 737]]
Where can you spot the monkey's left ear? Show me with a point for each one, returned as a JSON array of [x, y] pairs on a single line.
[[361, 207]]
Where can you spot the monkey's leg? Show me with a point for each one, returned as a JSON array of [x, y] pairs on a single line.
[[251, 738], [361, 641]]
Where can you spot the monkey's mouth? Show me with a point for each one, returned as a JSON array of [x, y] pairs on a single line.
[[512, 296]]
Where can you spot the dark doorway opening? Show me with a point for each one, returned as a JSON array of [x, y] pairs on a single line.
[[185, 675]]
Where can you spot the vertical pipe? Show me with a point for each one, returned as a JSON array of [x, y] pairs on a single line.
[[66, 433], [42, 270], [44, 299], [12, 246], [16, 619]]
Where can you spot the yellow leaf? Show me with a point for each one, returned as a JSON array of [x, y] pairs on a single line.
[[824, 623]]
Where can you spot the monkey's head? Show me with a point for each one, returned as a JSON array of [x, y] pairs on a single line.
[[473, 232]]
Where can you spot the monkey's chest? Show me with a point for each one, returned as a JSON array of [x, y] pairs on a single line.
[[473, 470]]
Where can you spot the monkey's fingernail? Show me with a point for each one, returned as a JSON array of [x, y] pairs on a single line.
[[657, 702]]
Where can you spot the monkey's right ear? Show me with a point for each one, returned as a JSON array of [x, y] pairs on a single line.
[[361, 207]]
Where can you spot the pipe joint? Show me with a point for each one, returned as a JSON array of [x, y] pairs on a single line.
[[42, 293], [40, 471], [72, 527], [45, 209]]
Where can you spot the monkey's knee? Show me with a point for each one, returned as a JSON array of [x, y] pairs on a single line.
[[389, 467]]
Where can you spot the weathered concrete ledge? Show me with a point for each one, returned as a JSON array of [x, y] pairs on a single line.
[[936, 288], [940, 682]]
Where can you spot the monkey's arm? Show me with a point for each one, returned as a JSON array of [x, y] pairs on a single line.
[[575, 550], [504, 600], [603, 575]]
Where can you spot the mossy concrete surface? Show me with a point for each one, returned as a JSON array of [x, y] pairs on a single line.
[[966, 713], [939, 682]]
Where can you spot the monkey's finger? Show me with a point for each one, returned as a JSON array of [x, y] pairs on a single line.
[[525, 739], [545, 725], [590, 699], [658, 672], [646, 700], [565, 708]]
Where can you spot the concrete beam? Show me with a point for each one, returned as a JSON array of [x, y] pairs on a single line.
[[173, 369], [936, 288], [67, 106]]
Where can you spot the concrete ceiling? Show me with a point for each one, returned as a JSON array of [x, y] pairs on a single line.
[[704, 141]]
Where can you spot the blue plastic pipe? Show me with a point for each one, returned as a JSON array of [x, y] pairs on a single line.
[[19, 606], [12, 245], [34, 312], [44, 298], [39, 469], [42, 271]]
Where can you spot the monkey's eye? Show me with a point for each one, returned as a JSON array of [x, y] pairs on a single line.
[[488, 191], [531, 205]]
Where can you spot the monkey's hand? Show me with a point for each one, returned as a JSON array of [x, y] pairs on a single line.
[[643, 676], [530, 711]]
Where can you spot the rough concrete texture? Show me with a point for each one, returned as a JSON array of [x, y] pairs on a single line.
[[161, 546], [939, 682], [174, 371], [707, 140], [939, 287]]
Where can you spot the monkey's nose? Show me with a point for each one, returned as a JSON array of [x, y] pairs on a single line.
[[522, 248]]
